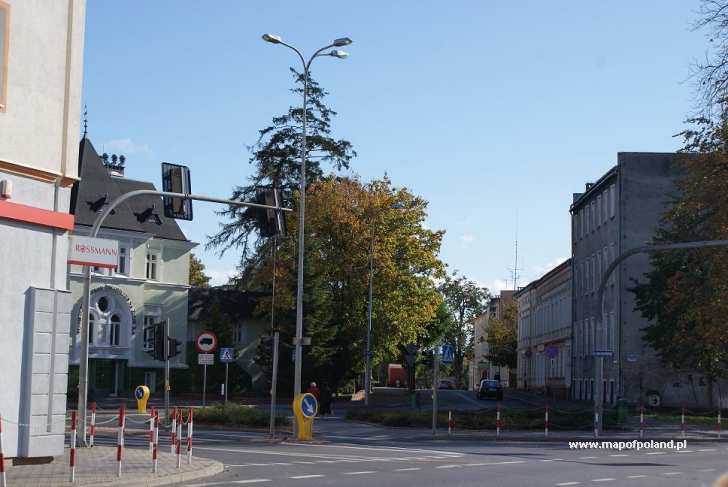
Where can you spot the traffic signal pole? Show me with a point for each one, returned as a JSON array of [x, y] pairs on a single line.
[[83, 345], [435, 384], [166, 369]]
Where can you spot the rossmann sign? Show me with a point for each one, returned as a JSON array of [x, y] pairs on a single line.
[[98, 252]]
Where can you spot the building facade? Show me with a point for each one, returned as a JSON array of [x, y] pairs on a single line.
[[480, 367], [544, 333], [149, 285], [618, 212], [41, 61]]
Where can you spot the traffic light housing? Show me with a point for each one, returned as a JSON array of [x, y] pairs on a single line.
[[158, 347], [270, 222], [175, 347]]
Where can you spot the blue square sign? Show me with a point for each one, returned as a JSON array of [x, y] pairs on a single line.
[[227, 354]]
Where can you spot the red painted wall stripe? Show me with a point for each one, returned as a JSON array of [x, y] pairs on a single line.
[[37, 216]]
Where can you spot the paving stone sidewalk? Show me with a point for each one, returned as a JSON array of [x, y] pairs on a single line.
[[97, 466]]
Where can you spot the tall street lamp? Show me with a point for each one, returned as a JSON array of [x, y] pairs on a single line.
[[275, 39]]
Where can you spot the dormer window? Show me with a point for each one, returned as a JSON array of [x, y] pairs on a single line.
[[153, 264], [150, 214]]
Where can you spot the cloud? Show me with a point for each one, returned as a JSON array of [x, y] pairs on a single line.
[[496, 286], [467, 238], [219, 277], [126, 147]]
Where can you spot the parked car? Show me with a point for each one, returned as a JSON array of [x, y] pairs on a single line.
[[446, 384], [490, 388]]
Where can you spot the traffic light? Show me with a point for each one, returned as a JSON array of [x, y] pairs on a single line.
[[174, 347], [270, 222], [157, 350]]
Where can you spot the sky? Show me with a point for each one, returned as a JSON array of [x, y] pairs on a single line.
[[495, 112]]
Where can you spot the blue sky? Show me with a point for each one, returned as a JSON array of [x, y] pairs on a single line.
[[495, 112]]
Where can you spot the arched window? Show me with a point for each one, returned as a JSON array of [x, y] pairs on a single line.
[[114, 330]]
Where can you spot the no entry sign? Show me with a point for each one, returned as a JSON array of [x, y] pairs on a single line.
[[206, 342]]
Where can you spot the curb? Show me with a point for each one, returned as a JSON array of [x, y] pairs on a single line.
[[213, 469]]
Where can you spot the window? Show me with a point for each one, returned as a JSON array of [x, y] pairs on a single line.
[[612, 200], [582, 223], [151, 316], [599, 210], [91, 328], [123, 267], [114, 330], [598, 272], [4, 41], [592, 216], [153, 265], [605, 205]]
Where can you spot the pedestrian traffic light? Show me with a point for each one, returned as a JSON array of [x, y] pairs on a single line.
[[270, 222], [157, 347]]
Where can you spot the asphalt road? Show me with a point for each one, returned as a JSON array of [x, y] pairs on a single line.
[[356, 454]]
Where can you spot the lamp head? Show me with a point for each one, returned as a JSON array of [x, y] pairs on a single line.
[[339, 54], [272, 38], [343, 41]]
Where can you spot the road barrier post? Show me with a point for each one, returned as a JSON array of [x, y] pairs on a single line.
[[151, 429], [156, 441], [498, 420], [120, 441], [449, 423], [718, 422], [173, 433], [72, 453], [546, 423], [189, 437], [642, 421], [92, 428], [596, 423], [682, 422], [179, 437]]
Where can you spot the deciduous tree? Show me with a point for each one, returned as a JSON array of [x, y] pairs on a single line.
[[503, 337]]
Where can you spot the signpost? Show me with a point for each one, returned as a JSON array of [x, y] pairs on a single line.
[[435, 386], [206, 344], [227, 355]]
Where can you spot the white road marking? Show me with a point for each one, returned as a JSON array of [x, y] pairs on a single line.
[[306, 463], [672, 473], [706, 470], [251, 481], [447, 466], [636, 476], [360, 473], [586, 458], [299, 477], [686, 451], [656, 453], [707, 449], [388, 449], [619, 455], [607, 479], [568, 483], [411, 469]]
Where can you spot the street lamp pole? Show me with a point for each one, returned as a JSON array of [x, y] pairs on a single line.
[[274, 39]]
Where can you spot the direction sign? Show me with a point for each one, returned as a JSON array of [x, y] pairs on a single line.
[[602, 353], [309, 405], [448, 354], [206, 359], [227, 354], [206, 342], [552, 351]]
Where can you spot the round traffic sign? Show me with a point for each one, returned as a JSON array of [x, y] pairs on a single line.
[[139, 393], [309, 405], [206, 342]]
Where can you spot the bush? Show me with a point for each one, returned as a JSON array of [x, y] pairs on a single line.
[[235, 415]]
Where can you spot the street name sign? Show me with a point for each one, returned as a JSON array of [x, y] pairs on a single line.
[[97, 252], [206, 342], [602, 353], [206, 359]]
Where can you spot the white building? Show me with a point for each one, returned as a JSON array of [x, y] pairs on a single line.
[[149, 285], [544, 333], [41, 60]]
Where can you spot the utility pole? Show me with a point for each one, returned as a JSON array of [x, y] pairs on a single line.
[[435, 384], [276, 339], [166, 369]]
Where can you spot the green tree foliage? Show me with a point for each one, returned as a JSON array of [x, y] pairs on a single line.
[[466, 301], [503, 337], [345, 220], [276, 157], [685, 293], [198, 278]]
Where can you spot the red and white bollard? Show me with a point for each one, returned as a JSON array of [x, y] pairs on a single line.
[[642, 421], [450, 423], [682, 422], [173, 433], [3, 478], [156, 441], [546, 423], [498, 421], [72, 453], [189, 437], [120, 441], [179, 438], [92, 427], [151, 429], [596, 423]]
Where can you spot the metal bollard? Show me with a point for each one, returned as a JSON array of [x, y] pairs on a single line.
[[151, 429], [92, 428], [72, 453], [596, 424], [156, 442], [173, 433], [546, 423], [682, 422], [642, 421], [189, 437], [179, 438]]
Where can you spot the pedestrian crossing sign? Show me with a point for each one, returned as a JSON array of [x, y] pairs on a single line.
[[448, 354], [227, 354]]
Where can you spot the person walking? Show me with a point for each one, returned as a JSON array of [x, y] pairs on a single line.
[[312, 389]]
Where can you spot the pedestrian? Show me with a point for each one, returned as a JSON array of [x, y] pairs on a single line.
[[312, 389], [325, 399]]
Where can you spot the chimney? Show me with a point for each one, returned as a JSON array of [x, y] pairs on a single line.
[[115, 166]]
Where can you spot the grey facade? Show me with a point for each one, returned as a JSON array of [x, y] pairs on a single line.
[[620, 211]]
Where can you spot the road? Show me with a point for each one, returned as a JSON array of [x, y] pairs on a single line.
[[356, 454]]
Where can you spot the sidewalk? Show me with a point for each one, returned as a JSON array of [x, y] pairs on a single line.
[[97, 466]]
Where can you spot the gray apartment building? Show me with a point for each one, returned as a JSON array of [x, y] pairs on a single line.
[[620, 211]]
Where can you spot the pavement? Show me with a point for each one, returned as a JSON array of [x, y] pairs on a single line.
[[98, 466]]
